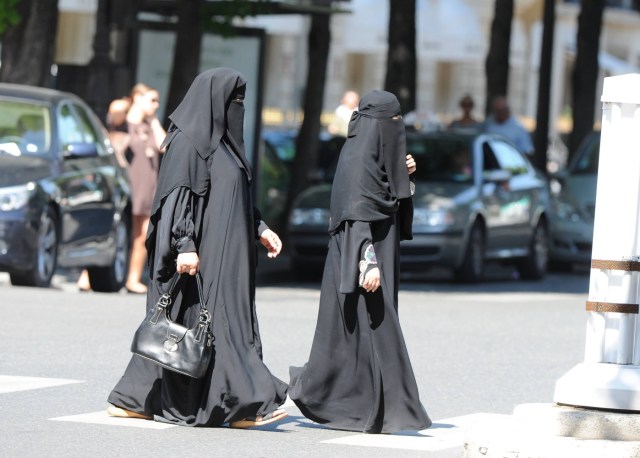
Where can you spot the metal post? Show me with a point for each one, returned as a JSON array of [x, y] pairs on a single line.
[[609, 377]]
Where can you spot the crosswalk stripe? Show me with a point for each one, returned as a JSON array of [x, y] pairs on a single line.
[[11, 383], [102, 418], [443, 434]]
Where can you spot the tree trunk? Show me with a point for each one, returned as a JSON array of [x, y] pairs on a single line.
[[186, 55], [99, 90], [307, 143], [401, 53], [497, 63], [541, 138], [28, 47], [585, 71]]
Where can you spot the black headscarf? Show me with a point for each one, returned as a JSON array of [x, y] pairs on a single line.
[[202, 114], [372, 177], [210, 113]]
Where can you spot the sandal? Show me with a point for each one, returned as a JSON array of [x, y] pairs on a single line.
[[262, 420], [119, 412]]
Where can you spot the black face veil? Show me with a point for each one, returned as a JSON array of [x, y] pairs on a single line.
[[372, 175], [210, 110]]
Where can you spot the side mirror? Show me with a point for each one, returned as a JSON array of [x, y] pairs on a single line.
[[496, 176], [79, 150]]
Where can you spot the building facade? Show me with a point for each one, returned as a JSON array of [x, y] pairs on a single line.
[[452, 43]]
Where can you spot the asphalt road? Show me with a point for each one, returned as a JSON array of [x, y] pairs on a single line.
[[478, 351]]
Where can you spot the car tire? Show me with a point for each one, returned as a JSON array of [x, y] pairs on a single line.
[[112, 278], [534, 266], [46, 255], [472, 268]]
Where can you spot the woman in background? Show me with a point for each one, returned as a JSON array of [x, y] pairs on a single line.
[[145, 138]]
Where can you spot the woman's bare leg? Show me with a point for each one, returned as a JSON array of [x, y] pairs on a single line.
[[138, 254]]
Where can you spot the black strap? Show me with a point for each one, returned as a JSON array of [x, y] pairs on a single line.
[[177, 277]]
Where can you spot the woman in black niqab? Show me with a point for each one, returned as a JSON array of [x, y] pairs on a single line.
[[358, 376], [203, 220]]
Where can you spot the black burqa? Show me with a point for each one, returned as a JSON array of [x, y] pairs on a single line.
[[203, 203], [358, 376]]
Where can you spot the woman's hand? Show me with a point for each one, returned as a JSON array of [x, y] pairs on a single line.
[[411, 164], [188, 263], [271, 242], [371, 280]]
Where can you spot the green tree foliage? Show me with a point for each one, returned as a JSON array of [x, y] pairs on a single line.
[[218, 17], [28, 45], [8, 14]]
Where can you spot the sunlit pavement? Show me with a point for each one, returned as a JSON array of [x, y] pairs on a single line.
[[477, 351]]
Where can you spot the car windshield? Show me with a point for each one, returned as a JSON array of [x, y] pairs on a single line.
[[283, 144], [586, 162], [442, 159], [25, 128]]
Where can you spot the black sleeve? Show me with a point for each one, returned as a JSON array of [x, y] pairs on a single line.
[[355, 240], [174, 233], [259, 225], [182, 229]]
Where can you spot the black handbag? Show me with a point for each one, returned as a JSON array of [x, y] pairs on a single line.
[[172, 345]]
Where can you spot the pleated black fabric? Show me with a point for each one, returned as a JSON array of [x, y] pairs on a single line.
[[221, 224], [358, 376]]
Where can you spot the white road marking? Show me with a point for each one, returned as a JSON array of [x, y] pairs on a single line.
[[10, 383], [101, 418], [288, 403], [443, 434]]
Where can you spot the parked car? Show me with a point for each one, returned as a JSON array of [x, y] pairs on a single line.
[[477, 199], [278, 149], [64, 201], [571, 221]]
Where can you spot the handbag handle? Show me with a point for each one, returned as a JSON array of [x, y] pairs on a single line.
[[167, 298]]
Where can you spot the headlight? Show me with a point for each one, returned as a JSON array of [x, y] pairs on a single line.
[[437, 217], [15, 197], [310, 216], [565, 211]]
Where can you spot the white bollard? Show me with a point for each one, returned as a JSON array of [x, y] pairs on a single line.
[[609, 377]]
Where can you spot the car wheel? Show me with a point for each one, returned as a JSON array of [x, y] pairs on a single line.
[[112, 278], [46, 255], [534, 266], [472, 268]]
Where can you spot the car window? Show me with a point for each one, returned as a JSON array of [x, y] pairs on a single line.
[[442, 159], [25, 128], [509, 158], [282, 144], [587, 160], [75, 126], [88, 128]]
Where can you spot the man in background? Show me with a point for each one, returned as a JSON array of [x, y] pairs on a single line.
[[340, 123], [503, 123]]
